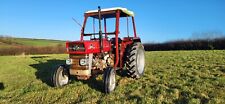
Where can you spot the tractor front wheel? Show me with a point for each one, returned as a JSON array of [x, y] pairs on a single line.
[[109, 79], [61, 76]]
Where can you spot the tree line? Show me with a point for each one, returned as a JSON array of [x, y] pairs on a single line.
[[199, 44]]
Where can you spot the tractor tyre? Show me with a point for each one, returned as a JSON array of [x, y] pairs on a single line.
[[135, 61], [61, 76], [109, 79]]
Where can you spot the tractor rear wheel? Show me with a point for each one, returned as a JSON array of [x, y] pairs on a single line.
[[135, 62], [109, 79], [61, 76]]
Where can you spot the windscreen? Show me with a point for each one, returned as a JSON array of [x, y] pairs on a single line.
[[92, 27]]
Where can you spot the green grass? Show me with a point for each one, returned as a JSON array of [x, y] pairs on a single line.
[[170, 77], [38, 42], [9, 42]]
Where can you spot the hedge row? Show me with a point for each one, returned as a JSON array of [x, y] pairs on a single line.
[[217, 44]]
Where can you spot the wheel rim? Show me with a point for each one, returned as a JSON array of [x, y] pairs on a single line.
[[63, 78], [140, 61], [112, 81]]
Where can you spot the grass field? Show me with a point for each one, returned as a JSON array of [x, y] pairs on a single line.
[[6, 42], [18, 46], [170, 77]]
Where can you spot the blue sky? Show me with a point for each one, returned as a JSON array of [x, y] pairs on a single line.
[[156, 20]]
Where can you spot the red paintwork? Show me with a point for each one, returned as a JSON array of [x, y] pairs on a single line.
[[91, 46], [126, 41], [82, 29], [135, 34], [116, 37], [106, 43]]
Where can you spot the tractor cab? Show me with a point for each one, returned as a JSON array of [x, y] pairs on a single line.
[[99, 40]]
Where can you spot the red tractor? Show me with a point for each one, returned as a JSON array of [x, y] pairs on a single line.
[[103, 52]]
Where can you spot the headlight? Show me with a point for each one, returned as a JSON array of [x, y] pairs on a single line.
[[69, 61], [83, 62]]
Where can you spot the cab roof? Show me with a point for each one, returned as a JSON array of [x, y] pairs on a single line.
[[110, 12]]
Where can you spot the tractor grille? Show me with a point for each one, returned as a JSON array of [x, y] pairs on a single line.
[[76, 62], [81, 71]]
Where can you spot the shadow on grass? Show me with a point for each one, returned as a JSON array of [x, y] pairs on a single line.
[[136, 98], [45, 69], [122, 73], [185, 98], [1, 86], [93, 83]]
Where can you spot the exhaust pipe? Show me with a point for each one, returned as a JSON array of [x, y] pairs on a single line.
[[100, 29]]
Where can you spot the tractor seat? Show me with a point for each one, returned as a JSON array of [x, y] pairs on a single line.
[[113, 40]]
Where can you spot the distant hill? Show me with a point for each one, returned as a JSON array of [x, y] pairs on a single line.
[[17, 46], [12, 41]]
